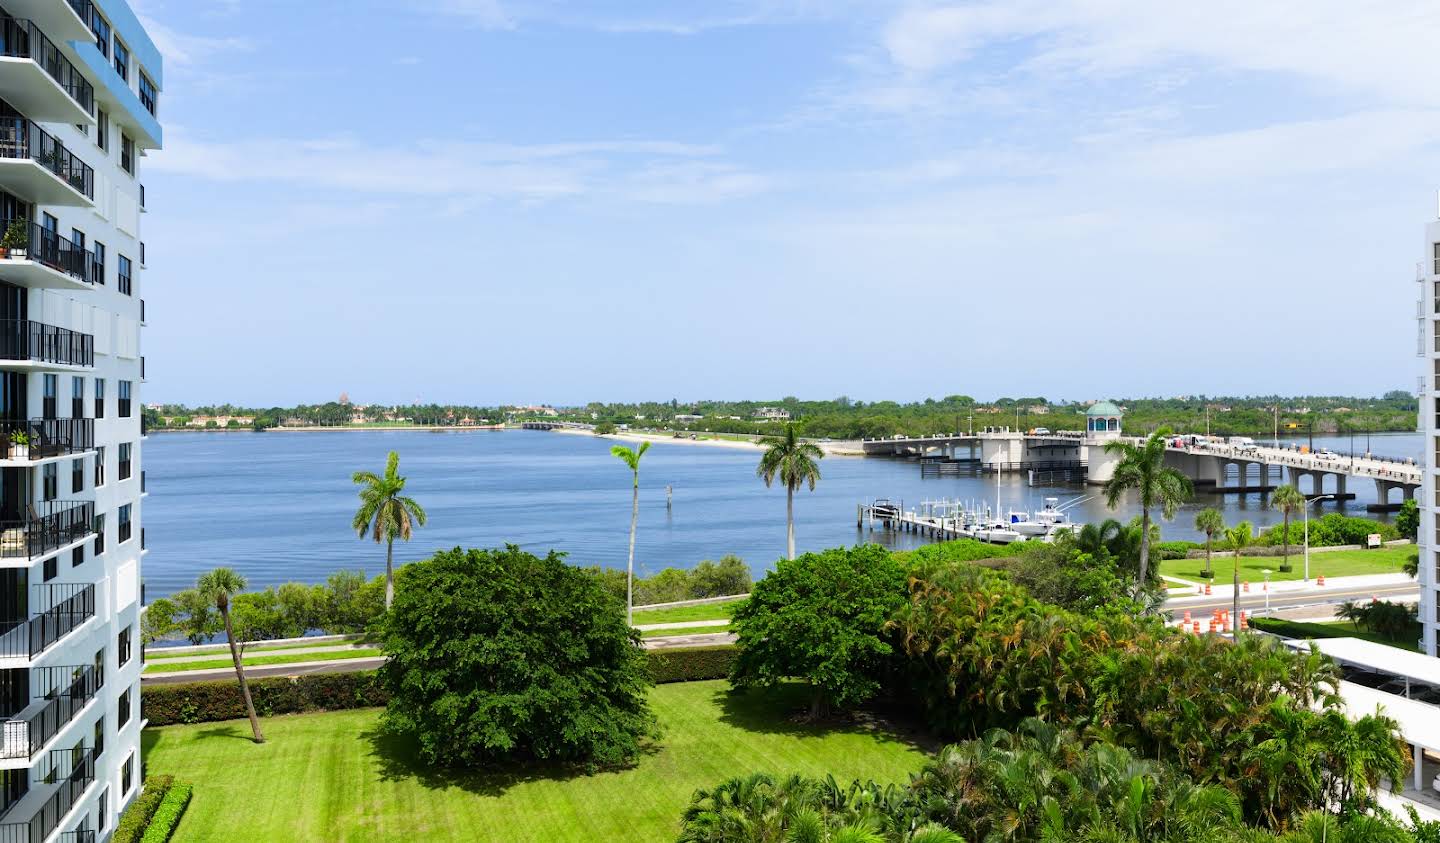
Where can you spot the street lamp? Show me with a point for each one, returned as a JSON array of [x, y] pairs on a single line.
[[1307, 532], [1267, 592]]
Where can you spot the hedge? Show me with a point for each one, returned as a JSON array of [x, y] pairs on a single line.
[[137, 817], [167, 816], [207, 702]]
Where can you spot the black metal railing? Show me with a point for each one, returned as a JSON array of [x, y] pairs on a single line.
[[45, 438], [79, 767], [79, 835], [22, 339], [54, 525], [23, 39], [21, 138], [29, 638], [47, 247], [70, 689]]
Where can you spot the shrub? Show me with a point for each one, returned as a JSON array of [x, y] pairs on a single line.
[[137, 817], [959, 550], [502, 655], [205, 702], [689, 664], [1175, 549], [167, 815]]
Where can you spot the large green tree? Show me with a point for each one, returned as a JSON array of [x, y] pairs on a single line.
[[796, 463], [386, 513], [820, 618], [1142, 468], [631, 458], [1239, 538], [1209, 521], [218, 586], [499, 654], [1288, 500]]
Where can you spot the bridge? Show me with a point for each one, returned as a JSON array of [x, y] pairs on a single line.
[[555, 425]]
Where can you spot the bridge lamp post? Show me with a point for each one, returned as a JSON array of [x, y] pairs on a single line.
[[1307, 535], [1267, 591]]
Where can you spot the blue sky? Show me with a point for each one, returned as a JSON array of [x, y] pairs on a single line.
[[508, 201]]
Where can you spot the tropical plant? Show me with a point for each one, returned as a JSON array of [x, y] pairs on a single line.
[[1351, 611], [386, 514], [1411, 565], [820, 618], [1239, 537], [17, 234], [1209, 521], [1407, 520], [1288, 500], [631, 458], [795, 463], [495, 655], [1142, 468], [218, 586]]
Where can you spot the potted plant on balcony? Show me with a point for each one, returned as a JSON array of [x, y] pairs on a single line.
[[19, 445], [16, 240]]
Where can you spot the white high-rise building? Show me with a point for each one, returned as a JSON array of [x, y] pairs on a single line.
[[79, 80], [1429, 492]]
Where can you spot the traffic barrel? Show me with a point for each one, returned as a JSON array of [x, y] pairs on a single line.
[[1320, 580]]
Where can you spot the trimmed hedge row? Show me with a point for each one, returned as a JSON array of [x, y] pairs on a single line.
[[207, 702], [167, 816], [137, 817]]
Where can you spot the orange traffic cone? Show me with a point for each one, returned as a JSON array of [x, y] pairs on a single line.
[[1187, 615], [1197, 627], [1244, 621], [1246, 586], [1207, 589], [1320, 580]]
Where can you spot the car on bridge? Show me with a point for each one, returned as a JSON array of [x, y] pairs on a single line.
[[1327, 455]]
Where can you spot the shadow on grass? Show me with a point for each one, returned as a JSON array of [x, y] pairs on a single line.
[[783, 710], [397, 760]]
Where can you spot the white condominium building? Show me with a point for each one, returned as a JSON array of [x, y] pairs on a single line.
[[1429, 493], [79, 83]]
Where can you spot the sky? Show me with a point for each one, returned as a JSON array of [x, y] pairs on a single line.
[[523, 201]]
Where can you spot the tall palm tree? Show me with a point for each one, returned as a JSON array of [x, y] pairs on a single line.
[[795, 462], [386, 514], [217, 586], [1239, 536], [632, 461], [1289, 501], [1142, 468], [1209, 521]]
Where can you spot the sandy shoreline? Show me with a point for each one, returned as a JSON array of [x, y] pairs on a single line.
[[830, 448]]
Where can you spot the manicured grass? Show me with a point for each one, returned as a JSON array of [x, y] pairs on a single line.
[[684, 630], [678, 614], [332, 777], [222, 649], [1339, 629], [1337, 563], [172, 665]]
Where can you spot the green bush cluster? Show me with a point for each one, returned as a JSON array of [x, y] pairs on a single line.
[[1330, 530], [205, 702], [690, 664], [345, 603], [1175, 549], [136, 818], [959, 550], [167, 815], [727, 577]]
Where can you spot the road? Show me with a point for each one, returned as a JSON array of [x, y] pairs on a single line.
[[1197, 606]]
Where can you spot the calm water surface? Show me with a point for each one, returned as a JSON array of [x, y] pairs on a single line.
[[277, 506]]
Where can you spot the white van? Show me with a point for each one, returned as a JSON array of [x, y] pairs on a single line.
[[1242, 442]]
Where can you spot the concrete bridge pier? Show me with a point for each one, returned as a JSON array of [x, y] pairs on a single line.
[[1382, 495]]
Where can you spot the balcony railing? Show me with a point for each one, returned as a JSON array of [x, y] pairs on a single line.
[[79, 772], [20, 138], [23, 39], [79, 835], [73, 688], [22, 339], [29, 638], [57, 524], [46, 437], [47, 247]]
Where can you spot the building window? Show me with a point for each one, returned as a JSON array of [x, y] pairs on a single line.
[[101, 28], [99, 398], [99, 534], [77, 556], [124, 460], [100, 742], [122, 646], [99, 466], [1436, 255], [51, 481], [127, 772], [100, 668], [125, 399], [77, 397], [52, 568], [122, 280], [122, 60], [102, 129], [98, 267], [124, 532], [52, 389], [104, 808], [77, 476], [147, 93], [127, 154]]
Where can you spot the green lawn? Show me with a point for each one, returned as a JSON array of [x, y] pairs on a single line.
[[1337, 563], [222, 649], [678, 614], [684, 630], [173, 665], [1341, 629], [330, 777]]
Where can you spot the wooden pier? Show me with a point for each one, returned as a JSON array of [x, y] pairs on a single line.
[[892, 516]]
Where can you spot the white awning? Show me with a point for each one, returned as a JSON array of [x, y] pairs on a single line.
[[1378, 657], [1419, 722]]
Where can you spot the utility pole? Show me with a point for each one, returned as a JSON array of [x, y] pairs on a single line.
[[1277, 425]]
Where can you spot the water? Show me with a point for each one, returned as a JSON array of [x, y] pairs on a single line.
[[277, 506]]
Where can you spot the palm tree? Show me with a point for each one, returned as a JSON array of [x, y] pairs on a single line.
[[386, 514], [632, 461], [217, 586], [1289, 501], [794, 461], [1142, 468], [1352, 612], [1209, 521], [1239, 536]]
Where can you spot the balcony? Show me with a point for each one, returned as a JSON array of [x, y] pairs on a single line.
[[22, 340], [24, 734], [44, 258], [45, 438], [55, 525], [71, 772], [72, 604], [39, 80], [36, 166]]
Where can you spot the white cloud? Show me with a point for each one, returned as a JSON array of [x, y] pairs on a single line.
[[182, 49], [486, 14]]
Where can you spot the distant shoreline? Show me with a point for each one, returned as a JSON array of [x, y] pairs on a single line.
[[321, 428]]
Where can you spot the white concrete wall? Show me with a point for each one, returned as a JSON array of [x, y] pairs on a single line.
[[1429, 324]]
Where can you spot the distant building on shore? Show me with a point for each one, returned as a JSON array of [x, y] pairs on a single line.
[[772, 414], [220, 421], [686, 418]]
